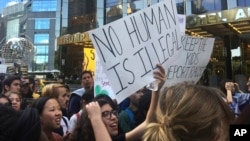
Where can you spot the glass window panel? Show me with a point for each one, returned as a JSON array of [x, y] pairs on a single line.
[[243, 3], [100, 22], [110, 3], [41, 59], [100, 3], [41, 38], [114, 13], [180, 6], [44, 5], [100, 13], [42, 23], [203, 6], [41, 49], [12, 28], [135, 5]]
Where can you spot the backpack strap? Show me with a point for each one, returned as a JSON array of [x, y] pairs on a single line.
[[65, 121], [130, 114], [78, 116]]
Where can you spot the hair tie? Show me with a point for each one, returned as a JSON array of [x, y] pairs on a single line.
[[166, 122]]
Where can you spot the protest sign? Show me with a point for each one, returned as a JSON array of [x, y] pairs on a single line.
[[130, 48], [102, 84], [195, 55]]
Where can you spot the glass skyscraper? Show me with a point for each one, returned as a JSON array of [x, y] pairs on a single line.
[[40, 22]]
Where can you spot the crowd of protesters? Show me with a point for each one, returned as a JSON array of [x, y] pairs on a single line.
[[29, 112]]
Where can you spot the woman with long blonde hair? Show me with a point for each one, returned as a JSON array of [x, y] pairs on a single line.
[[188, 112]]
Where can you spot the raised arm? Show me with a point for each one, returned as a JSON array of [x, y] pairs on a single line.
[[137, 133], [94, 114], [229, 96]]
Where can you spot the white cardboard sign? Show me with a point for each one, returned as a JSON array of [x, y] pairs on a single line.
[[130, 48]]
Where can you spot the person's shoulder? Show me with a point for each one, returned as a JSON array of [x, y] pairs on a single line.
[[120, 137], [73, 118], [78, 92], [123, 114], [57, 137], [65, 118]]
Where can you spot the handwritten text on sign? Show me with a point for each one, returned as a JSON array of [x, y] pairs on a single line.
[[130, 48], [192, 62]]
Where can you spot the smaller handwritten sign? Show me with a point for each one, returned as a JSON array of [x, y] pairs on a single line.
[[102, 84]]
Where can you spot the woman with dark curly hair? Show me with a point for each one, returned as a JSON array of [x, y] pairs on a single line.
[[84, 130], [99, 120]]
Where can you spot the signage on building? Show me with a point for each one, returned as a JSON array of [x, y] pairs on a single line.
[[225, 16], [74, 38], [89, 59]]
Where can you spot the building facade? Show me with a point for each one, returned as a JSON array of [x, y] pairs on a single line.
[[57, 28], [39, 21], [227, 22], [220, 19]]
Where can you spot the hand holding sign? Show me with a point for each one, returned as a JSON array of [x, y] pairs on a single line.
[[130, 47], [160, 77], [153, 86]]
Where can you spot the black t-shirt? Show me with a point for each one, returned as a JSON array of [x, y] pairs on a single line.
[[120, 137]]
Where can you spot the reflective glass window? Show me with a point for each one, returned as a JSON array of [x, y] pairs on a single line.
[[42, 23], [135, 5], [99, 22], [110, 3], [114, 10], [203, 6], [41, 38], [41, 49], [44, 5], [100, 4], [243, 3], [41, 59], [12, 28], [180, 6], [99, 12]]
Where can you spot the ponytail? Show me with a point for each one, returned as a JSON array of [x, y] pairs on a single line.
[[158, 132]]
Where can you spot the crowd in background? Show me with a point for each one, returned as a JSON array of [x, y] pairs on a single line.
[[30, 111]]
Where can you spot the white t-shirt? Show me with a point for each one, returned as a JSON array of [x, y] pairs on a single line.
[[73, 120], [66, 126]]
